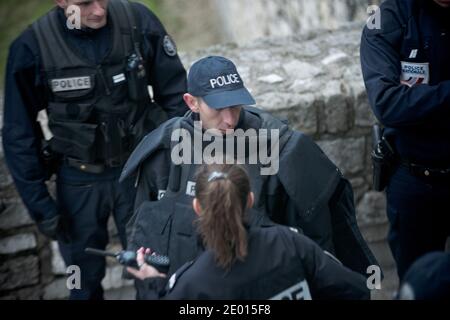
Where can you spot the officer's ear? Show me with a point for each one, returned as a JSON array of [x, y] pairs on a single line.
[[61, 3], [196, 206], [192, 102], [250, 200]]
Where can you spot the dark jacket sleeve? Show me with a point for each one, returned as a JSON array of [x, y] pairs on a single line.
[[167, 75], [326, 276], [21, 137], [394, 104]]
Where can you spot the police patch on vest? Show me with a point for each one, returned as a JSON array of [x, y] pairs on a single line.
[[299, 291], [169, 46], [119, 78], [415, 73], [70, 84]]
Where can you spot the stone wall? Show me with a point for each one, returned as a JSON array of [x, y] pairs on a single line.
[[313, 80], [243, 21]]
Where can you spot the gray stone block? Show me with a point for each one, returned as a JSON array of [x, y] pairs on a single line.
[[301, 70], [112, 229], [33, 293], [271, 79], [17, 243], [383, 254], [124, 293], [359, 188], [347, 154], [19, 272], [372, 209], [14, 216], [301, 116], [58, 265], [57, 290], [334, 56], [336, 108], [364, 116], [5, 177], [375, 232], [113, 278], [389, 285]]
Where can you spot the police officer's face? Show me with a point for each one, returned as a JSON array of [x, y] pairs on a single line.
[[443, 3], [222, 120], [92, 12]]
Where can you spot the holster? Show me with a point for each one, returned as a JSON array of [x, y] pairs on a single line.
[[383, 159], [50, 159]]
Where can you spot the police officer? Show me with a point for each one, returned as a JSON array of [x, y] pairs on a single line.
[[406, 70], [242, 262], [296, 185], [428, 278], [88, 83]]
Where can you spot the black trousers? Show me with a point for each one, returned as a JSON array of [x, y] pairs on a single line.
[[419, 214], [87, 206]]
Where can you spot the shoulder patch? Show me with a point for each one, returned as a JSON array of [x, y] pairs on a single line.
[[173, 279], [293, 229], [169, 46]]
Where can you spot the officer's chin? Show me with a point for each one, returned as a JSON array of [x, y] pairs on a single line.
[[95, 24]]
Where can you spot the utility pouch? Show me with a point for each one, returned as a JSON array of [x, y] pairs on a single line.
[[137, 80]]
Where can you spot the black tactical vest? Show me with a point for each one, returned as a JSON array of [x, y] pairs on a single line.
[[97, 113], [167, 225]]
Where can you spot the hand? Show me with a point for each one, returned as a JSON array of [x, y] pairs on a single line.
[[145, 271], [49, 227], [56, 228]]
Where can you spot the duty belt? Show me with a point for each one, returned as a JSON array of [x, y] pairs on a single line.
[[86, 167], [427, 172]]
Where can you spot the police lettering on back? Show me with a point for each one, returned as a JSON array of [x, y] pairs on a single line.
[[224, 80]]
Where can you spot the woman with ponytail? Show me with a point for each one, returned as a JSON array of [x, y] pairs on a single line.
[[242, 262]]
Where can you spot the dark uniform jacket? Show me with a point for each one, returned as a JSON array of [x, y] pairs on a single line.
[[26, 94], [413, 45], [308, 193], [281, 264]]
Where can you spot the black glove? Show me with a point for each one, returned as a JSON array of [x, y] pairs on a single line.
[[56, 228]]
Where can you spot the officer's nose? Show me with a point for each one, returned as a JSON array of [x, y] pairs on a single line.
[[98, 9], [229, 117]]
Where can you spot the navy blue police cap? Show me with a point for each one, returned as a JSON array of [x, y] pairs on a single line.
[[216, 80], [428, 278]]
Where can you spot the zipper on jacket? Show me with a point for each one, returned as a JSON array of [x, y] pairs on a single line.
[[103, 79]]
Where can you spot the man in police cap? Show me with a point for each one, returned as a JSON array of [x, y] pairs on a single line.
[[85, 68], [428, 278], [406, 69], [304, 190]]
